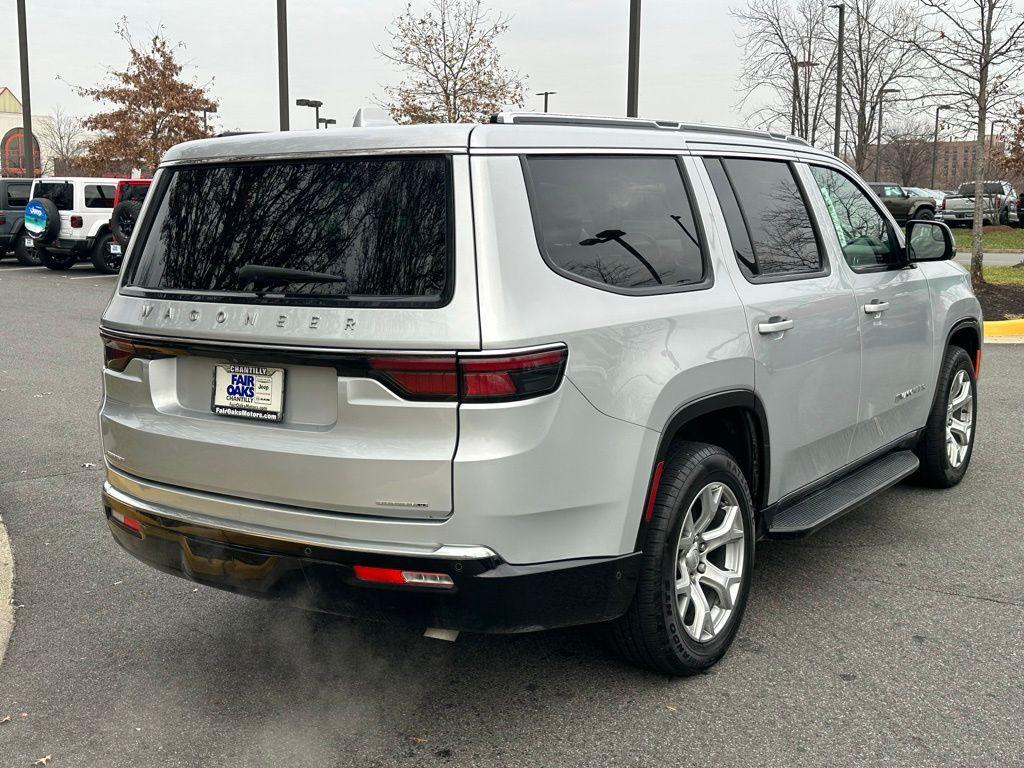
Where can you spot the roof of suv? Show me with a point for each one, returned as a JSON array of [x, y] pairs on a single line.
[[73, 179], [507, 131]]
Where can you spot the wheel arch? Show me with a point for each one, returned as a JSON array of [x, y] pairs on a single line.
[[734, 420], [966, 334]]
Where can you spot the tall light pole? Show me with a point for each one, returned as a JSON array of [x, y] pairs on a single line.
[[878, 146], [633, 67], [315, 104], [545, 94], [839, 76], [992, 132], [209, 109], [935, 140], [282, 61], [28, 157]]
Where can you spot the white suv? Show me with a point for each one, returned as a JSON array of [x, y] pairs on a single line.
[[541, 372], [68, 219]]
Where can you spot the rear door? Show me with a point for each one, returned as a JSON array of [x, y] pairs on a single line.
[[802, 318], [894, 307], [356, 409]]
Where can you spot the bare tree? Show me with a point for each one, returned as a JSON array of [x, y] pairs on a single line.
[[789, 60], [975, 48], [878, 57], [453, 71], [63, 137], [907, 154]]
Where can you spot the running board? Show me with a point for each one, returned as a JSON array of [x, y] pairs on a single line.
[[822, 507]]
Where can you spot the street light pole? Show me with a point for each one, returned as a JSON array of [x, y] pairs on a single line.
[[839, 76], [28, 157], [795, 123], [878, 145], [545, 94], [935, 140], [633, 67], [282, 61]]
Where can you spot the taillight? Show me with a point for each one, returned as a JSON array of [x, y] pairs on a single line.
[[76, 222], [3, 219], [117, 353], [511, 377], [942, 205], [472, 378], [424, 378]]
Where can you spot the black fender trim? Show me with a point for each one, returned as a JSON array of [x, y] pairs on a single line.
[[735, 398], [959, 325]]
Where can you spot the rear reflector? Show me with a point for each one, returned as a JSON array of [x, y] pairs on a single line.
[[433, 378], [128, 522], [977, 362], [405, 578], [655, 482]]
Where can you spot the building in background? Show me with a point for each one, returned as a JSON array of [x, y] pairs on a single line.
[[11, 135]]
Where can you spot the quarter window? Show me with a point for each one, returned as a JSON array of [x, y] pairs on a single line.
[[864, 234], [767, 217], [99, 195], [622, 222]]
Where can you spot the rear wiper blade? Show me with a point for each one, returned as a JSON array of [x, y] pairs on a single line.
[[264, 277]]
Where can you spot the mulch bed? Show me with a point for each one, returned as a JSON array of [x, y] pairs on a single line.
[[1002, 302]]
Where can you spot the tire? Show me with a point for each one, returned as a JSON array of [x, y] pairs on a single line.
[[925, 214], [654, 633], [102, 259], [123, 219], [28, 257], [56, 261], [942, 466], [50, 229]]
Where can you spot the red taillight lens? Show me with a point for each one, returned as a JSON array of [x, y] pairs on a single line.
[[432, 378], [130, 523], [117, 353], [3, 219], [403, 578], [511, 377], [76, 222]]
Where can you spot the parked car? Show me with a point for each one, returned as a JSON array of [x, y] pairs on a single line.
[[128, 199], [13, 197], [957, 210], [998, 195], [542, 372], [68, 219], [903, 205]]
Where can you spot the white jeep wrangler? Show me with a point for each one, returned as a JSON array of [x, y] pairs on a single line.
[[68, 219]]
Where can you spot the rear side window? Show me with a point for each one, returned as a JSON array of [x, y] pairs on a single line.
[[767, 216], [378, 227], [60, 193], [99, 195], [624, 223], [17, 196]]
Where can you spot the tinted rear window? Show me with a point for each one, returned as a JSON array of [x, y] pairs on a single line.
[[99, 195], [381, 224], [622, 222], [62, 193], [133, 192], [17, 195]]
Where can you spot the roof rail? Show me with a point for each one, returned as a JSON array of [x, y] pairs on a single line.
[[597, 121]]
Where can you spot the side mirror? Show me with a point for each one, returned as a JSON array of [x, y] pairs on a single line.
[[929, 241]]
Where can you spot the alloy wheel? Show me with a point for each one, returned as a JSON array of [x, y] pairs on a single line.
[[959, 418], [709, 562]]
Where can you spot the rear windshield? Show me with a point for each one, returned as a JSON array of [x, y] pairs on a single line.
[[133, 193], [381, 225], [990, 187], [61, 193]]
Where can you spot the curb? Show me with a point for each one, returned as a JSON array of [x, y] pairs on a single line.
[[1004, 328]]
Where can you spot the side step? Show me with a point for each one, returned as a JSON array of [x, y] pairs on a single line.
[[822, 507]]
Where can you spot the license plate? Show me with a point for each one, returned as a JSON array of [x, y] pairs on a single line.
[[29, 243], [249, 392], [115, 248]]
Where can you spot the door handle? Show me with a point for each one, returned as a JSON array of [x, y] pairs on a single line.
[[876, 306], [775, 324]]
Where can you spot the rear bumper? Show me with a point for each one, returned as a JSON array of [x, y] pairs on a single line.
[[489, 595]]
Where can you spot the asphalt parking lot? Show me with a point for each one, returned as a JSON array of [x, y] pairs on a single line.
[[892, 638]]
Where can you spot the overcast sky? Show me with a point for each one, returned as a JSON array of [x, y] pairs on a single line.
[[689, 57]]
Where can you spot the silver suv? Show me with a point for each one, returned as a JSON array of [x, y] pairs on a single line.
[[542, 372]]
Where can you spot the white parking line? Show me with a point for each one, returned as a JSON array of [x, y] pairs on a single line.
[[15, 269], [6, 590], [90, 277]]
